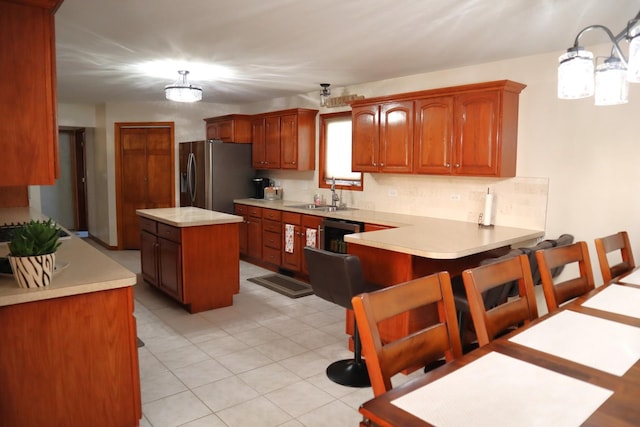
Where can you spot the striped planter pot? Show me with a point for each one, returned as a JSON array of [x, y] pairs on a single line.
[[33, 271]]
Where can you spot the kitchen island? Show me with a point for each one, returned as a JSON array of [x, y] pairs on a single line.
[[69, 352], [192, 255]]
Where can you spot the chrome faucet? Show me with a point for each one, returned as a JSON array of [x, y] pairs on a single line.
[[334, 197]]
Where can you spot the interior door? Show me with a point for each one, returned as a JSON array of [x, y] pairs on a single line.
[[144, 175]]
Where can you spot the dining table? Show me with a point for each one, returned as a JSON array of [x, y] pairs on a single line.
[[576, 366]]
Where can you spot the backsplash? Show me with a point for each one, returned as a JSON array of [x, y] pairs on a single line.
[[519, 202]]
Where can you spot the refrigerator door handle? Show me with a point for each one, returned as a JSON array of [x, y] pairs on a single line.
[[192, 173]]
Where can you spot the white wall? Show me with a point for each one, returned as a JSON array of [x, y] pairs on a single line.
[[586, 155]]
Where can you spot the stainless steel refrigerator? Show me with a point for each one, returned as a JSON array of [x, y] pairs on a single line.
[[213, 173]]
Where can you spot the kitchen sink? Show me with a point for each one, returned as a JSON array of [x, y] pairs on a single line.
[[322, 208]]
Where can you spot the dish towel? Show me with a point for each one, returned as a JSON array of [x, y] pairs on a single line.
[[311, 237], [289, 230]]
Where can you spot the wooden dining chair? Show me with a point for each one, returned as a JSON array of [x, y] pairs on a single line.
[[560, 292], [518, 310], [614, 244], [385, 358]]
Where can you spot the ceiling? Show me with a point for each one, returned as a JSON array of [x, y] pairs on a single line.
[[277, 48]]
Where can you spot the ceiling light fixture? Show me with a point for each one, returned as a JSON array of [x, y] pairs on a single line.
[[324, 94], [610, 80], [182, 91]]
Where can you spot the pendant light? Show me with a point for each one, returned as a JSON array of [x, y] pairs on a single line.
[[609, 81], [324, 94], [182, 91]]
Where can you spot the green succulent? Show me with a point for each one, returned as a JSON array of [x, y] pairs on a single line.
[[35, 238]]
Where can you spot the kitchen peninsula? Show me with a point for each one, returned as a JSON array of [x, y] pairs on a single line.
[[192, 255], [69, 352], [404, 247]]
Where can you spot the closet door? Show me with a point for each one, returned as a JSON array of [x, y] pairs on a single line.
[[144, 178]]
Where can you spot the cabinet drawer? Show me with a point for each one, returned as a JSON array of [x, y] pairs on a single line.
[[271, 255], [149, 225], [272, 240], [272, 226], [168, 232], [255, 211], [241, 209], [291, 218], [272, 214]]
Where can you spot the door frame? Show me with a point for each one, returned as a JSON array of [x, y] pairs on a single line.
[[78, 175], [118, 126]]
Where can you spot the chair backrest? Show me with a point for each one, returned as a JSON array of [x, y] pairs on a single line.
[[334, 277], [563, 240], [385, 359], [549, 259], [514, 312], [615, 242], [498, 295], [533, 262]]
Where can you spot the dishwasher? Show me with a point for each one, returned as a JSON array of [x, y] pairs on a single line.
[[332, 232]]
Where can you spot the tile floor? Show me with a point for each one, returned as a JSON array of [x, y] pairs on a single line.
[[260, 362]]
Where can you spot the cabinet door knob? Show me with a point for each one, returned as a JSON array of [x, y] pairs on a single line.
[[381, 164], [457, 165], [447, 165], [375, 164]]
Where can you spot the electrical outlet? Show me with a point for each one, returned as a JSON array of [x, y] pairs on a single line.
[[393, 192], [455, 197]]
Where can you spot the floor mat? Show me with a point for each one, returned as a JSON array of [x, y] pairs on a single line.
[[284, 285]]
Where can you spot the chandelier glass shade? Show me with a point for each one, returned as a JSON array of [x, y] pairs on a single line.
[[578, 77], [183, 91]]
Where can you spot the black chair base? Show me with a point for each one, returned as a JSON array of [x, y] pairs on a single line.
[[349, 373]]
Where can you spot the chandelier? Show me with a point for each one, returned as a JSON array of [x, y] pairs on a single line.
[[182, 91], [608, 80]]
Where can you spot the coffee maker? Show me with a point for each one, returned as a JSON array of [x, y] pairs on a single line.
[[258, 186]]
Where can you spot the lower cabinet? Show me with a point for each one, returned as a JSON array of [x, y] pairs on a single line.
[[300, 227], [243, 211], [198, 266], [70, 361], [254, 233]]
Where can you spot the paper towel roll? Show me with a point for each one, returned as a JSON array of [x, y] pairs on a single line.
[[487, 215]]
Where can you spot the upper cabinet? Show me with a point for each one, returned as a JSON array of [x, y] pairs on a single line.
[[383, 137], [284, 140], [28, 129], [232, 128], [465, 130]]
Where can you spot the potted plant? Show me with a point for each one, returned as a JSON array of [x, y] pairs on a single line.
[[32, 253]]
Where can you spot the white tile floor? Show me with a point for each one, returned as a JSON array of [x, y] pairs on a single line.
[[260, 362]]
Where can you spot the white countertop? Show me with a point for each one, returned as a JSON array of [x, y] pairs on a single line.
[[86, 269], [417, 235], [188, 216]]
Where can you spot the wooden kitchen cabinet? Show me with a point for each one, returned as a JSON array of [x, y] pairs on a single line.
[[466, 130], [265, 133], [70, 361], [254, 233], [284, 139], [243, 211], [28, 129], [383, 137], [231, 128], [196, 265], [294, 261], [433, 142], [271, 236], [160, 255]]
